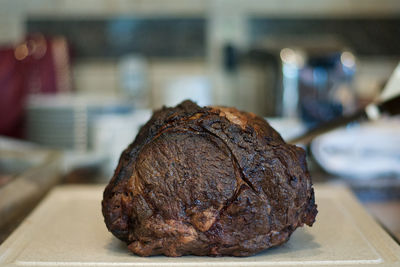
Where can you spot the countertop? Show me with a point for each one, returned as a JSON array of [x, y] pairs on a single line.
[[73, 221], [379, 196]]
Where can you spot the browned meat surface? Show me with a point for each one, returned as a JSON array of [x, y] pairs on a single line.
[[208, 181]]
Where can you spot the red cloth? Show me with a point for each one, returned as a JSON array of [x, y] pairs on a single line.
[[12, 93], [32, 69]]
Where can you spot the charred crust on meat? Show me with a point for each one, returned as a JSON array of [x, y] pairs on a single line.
[[208, 181]]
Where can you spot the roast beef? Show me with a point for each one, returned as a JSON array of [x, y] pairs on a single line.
[[208, 181]]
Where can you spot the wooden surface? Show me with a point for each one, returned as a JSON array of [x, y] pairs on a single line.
[[67, 229]]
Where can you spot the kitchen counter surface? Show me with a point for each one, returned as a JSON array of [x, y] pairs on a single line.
[[379, 196], [388, 214], [73, 223]]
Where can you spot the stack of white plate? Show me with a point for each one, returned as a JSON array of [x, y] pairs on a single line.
[[64, 121]]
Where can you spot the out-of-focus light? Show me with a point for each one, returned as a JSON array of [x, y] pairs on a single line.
[[288, 56], [348, 60], [21, 51], [37, 46], [292, 57]]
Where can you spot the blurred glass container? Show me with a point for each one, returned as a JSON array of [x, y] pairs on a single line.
[[133, 78], [305, 77], [324, 86], [292, 63]]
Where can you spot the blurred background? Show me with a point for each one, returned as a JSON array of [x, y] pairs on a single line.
[[79, 78]]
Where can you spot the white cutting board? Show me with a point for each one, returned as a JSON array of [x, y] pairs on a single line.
[[67, 229]]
